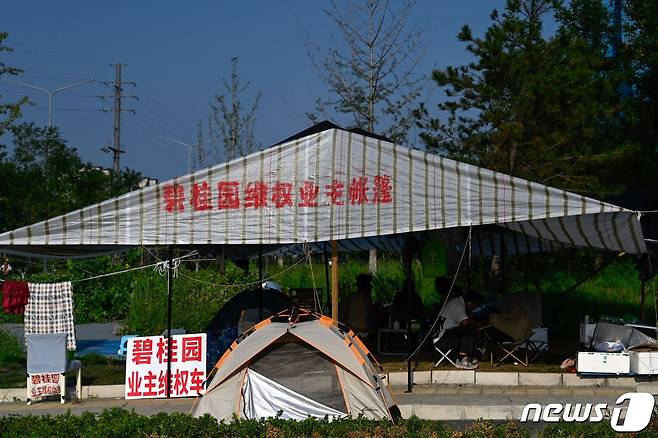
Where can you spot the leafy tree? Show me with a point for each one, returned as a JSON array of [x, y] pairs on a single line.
[[230, 125], [638, 57], [544, 108], [9, 112], [45, 177], [371, 71]]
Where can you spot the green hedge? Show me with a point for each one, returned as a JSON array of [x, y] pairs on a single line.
[[121, 423]]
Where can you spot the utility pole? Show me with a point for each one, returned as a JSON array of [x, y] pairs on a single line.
[[117, 118], [118, 95]]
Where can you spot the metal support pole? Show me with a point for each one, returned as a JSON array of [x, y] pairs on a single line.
[[117, 119], [50, 94], [50, 109], [189, 147], [468, 267], [643, 296], [408, 281], [327, 283], [260, 283], [503, 253], [170, 287], [334, 280]]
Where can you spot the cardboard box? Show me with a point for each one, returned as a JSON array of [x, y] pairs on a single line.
[[603, 363], [644, 362]]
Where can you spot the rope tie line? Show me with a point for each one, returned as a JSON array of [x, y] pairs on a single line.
[[308, 250], [163, 267], [250, 283], [467, 246]]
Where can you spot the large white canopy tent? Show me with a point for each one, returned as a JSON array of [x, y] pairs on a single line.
[[324, 185], [332, 185]]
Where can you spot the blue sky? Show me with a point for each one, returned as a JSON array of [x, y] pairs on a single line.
[[177, 53]]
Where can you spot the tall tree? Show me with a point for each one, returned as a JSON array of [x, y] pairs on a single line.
[[45, 177], [638, 57], [10, 111], [231, 125], [543, 108], [371, 71]]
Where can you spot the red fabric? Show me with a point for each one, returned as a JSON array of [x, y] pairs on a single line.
[[14, 296]]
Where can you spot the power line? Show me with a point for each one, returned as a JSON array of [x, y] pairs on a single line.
[[47, 77], [168, 123], [157, 105], [50, 92], [155, 123], [58, 54], [144, 139]]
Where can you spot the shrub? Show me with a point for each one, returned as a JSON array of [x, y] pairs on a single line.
[[11, 352], [120, 423], [196, 298]]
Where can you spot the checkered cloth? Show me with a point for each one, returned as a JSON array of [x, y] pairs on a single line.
[[50, 310]]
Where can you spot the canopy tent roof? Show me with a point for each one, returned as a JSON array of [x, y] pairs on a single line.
[[328, 185]]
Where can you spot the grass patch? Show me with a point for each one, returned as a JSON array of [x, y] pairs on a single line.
[[96, 370], [12, 361], [101, 370]]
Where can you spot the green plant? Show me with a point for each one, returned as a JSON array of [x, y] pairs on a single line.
[[119, 423], [11, 351], [196, 298]]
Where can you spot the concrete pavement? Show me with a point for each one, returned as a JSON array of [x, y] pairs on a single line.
[[432, 402]]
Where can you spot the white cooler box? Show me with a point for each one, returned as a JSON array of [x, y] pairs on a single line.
[[644, 362], [603, 363]]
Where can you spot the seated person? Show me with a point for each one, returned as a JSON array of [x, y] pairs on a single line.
[[460, 327], [404, 303], [358, 310]]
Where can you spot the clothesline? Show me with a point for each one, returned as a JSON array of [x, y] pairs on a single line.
[[251, 283], [109, 274], [164, 263]]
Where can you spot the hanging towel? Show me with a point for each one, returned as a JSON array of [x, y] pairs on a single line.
[[50, 310], [15, 296]]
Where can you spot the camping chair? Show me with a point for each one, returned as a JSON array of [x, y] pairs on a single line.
[[443, 348], [538, 343], [517, 328], [46, 356], [304, 297], [123, 344], [501, 350], [524, 326]]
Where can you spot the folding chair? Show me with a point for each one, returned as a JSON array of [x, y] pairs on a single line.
[[123, 344], [443, 349], [522, 312], [508, 349], [538, 343], [46, 356]]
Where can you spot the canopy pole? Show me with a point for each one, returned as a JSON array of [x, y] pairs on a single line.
[[326, 270], [170, 286], [643, 296], [503, 252], [334, 280], [260, 283], [408, 281], [468, 267]]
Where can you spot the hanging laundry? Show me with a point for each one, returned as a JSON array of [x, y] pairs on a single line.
[[50, 310], [15, 296]]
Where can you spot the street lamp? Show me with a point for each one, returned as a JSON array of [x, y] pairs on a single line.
[[51, 93], [189, 149]]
